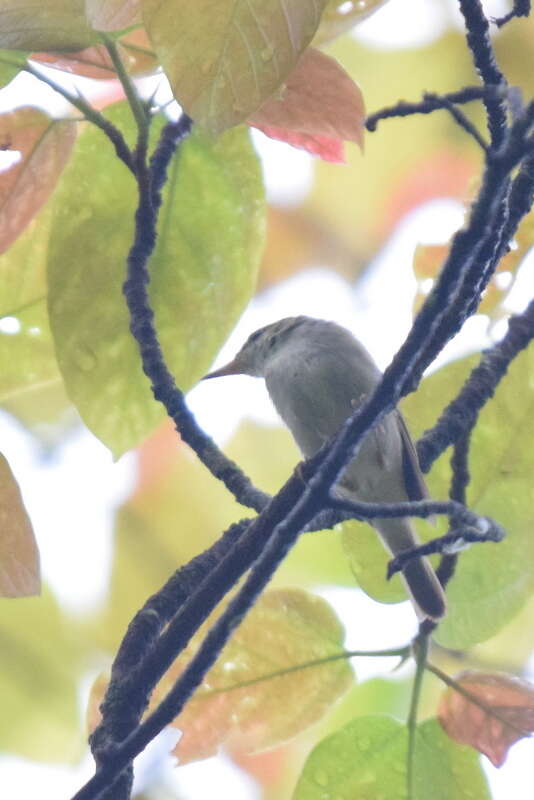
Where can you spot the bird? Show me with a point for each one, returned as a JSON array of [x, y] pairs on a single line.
[[317, 374]]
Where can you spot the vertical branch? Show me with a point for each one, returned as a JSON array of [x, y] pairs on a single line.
[[479, 42], [458, 490]]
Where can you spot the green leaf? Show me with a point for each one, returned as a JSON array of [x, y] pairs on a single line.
[[368, 561], [492, 581], [364, 760], [317, 558], [225, 59], [453, 771], [28, 367], [367, 759], [38, 692], [204, 268], [27, 357], [53, 25], [8, 65]]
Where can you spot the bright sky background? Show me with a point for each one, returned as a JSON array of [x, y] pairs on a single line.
[[71, 493]]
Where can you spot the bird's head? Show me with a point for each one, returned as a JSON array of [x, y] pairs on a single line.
[[261, 346]]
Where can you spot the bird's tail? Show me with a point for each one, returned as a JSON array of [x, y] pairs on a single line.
[[421, 580]]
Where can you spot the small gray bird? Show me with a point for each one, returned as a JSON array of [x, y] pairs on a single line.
[[316, 374]]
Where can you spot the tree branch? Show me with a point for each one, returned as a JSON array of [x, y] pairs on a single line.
[[92, 115], [461, 414], [479, 42], [520, 8]]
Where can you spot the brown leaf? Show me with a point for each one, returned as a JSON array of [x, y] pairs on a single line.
[[510, 698], [19, 556], [44, 145], [319, 100]]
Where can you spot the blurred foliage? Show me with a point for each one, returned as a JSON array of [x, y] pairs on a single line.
[[492, 582], [43, 655], [176, 509], [210, 236]]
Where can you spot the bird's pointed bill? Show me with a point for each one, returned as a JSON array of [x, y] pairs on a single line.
[[232, 368]]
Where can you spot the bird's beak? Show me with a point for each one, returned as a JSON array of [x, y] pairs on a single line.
[[232, 368]]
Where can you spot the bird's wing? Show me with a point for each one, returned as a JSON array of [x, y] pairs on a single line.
[[416, 488]]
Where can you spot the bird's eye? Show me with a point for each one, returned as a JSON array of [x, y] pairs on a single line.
[[254, 336], [272, 342]]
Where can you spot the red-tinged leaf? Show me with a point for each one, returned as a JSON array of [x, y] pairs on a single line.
[[112, 15], [319, 99], [284, 629], [224, 59], [44, 145], [510, 698], [327, 149], [19, 556], [251, 699], [95, 62]]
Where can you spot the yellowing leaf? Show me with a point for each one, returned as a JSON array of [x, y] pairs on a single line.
[[50, 25], [319, 99], [224, 59], [44, 145], [204, 268], [341, 15], [236, 706], [510, 698], [112, 15], [19, 556]]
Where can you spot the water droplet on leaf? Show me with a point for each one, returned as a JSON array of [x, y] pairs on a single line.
[[85, 359], [321, 777]]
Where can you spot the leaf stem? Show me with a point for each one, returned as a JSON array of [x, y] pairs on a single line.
[[401, 652], [420, 651], [90, 114], [138, 109]]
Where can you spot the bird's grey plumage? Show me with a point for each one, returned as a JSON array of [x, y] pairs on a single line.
[[317, 373]]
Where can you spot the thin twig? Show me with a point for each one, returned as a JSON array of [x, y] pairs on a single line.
[[520, 8], [91, 114], [461, 414], [139, 111], [479, 42], [431, 102]]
